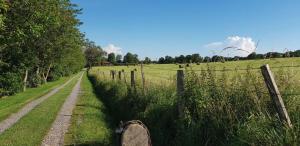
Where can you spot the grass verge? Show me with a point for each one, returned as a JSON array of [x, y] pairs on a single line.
[[32, 128], [12, 104], [89, 121]]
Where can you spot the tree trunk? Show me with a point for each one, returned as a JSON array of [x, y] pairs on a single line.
[[37, 71], [47, 73], [25, 80], [44, 77]]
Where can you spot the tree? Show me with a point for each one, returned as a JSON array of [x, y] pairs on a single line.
[[147, 60], [188, 58], [119, 58], [161, 60], [92, 56], [3, 9], [180, 59], [252, 56], [295, 53], [111, 58], [207, 59], [135, 58], [131, 58], [196, 58], [169, 59]]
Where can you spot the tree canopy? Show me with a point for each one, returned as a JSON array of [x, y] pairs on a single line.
[[42, 42]]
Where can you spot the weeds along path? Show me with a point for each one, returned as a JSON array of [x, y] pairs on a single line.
[[60, 126], [11, 120]]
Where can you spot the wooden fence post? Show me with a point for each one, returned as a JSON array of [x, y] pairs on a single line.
[[275, 94], [143, 78], [113, 73], [132, 78], [124, 76], [103, 74], [180, 91], [120, 75]]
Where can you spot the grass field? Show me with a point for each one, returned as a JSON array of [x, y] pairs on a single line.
[[228, 106], [90, 121], [31, 129], [166, 72], [12, 104]]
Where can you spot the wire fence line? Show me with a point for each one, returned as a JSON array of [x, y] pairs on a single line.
[[173, 77]]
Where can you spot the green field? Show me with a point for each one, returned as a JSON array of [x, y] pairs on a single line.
[[166, 72], [223, 103]]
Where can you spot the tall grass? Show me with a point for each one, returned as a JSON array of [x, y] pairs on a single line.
[[221, 108]]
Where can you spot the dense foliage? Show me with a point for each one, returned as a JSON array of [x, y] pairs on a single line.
[[39, 41], [220, 108]]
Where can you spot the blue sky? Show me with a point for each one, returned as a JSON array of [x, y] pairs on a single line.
[[157, 28]]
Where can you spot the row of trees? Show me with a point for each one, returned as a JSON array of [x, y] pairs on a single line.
[[39, 42], [96, 56], [196, 58]]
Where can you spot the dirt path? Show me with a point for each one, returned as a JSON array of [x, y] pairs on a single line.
[[55, 136], [11, 120]]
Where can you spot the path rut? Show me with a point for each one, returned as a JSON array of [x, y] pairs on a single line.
[[14, 118], [55, 136]]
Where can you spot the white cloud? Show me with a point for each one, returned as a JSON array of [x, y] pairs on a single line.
[[237, 46], [111, 48]]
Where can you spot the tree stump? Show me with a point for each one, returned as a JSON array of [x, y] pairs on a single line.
[[135, 133]]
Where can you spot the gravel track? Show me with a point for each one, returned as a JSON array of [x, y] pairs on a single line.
[[15, 117], [55, 136]]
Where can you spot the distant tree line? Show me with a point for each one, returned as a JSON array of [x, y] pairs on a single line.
[[196, 58], [129, 58], [39, 42]]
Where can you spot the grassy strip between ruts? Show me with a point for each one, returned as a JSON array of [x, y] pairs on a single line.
[[89, 121], [32, 128], [12, 104]]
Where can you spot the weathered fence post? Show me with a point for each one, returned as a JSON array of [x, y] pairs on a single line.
[[120, 75], [132, 76], [124, 76], [180, 91], [275, 94], [103, 74], [143, 78], [113, 74]]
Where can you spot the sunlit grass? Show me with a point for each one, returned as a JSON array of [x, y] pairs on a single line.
[[31, 129], [12, 104], [90, 120]]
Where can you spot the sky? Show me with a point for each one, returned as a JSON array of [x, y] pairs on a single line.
[[156, 28]]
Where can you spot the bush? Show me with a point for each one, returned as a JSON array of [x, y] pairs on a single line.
[[10, 83]]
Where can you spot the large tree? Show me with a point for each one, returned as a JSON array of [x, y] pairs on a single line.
[[119, 58], [111, 58], [131, 58], [196, 58]]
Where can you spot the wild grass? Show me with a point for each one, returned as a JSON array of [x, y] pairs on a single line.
[[221, 107], [31, 129], [12, 104]]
